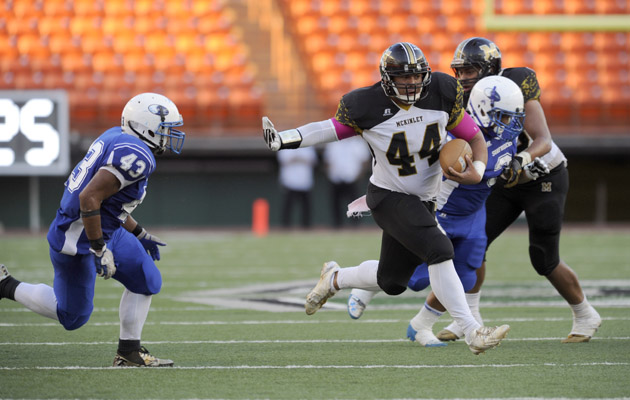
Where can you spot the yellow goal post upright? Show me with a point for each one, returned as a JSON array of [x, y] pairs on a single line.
[[554, 22]]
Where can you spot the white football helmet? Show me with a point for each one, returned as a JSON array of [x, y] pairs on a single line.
[[496, 104], [152, 117]]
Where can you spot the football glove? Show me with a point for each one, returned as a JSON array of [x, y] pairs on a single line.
[[536, 169], [289, 139], [151, 243], [270, 134], [512, 172], [104, 262]]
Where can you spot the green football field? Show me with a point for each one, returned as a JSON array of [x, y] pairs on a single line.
[[231, 316]]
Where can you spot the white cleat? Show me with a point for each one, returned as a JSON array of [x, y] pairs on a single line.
[[584, 328], [318, 296], [4, 272], [450, 333], [486, 338], [423, 337], [358, 302]]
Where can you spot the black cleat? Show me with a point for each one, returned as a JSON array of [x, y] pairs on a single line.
[[140, 358]]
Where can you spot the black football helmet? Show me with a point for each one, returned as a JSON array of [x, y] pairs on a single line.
[[402, 59], [479, 53]]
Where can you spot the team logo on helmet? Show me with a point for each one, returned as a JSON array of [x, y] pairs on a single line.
[[158, 109], [493, 95]]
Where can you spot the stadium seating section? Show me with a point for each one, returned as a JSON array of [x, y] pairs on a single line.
[[102, 52]]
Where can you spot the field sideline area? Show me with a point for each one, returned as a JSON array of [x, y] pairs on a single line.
[[231, 316]]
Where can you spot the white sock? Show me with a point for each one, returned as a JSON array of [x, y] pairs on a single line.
[[473, 303], [426, 318], [362, 276], [133, 312], [581, 310], [365, 296], [39, 298], [449, 290]]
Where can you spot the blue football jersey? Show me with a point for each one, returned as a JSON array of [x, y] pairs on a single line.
[[123, 155], [456, 199]]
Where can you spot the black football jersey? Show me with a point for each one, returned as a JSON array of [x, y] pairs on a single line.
[[405, 141]]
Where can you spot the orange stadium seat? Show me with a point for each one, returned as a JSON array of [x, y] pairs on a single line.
[[88, 8], [48, 25], [298, 8], [605, 42], [25, 9], [612, 7], [364, 7], [547, 42], [580, 6], [517, 7], [332, 8], [546, 7], [577, 41], [58, 8]]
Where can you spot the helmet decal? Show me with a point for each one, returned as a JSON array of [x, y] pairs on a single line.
[[490, 51], [493, 95]]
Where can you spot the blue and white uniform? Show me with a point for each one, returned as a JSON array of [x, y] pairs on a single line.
[[461, 213], [131, 161]]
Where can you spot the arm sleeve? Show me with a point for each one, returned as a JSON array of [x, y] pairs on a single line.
[[466, 129], [329, 130]]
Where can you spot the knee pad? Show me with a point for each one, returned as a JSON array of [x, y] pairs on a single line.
[[543, 261], [441, 249], [71, 321], [420, 278], [468, 278], [390, 287]]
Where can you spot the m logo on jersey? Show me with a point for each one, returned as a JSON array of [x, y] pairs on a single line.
[[545, 187]]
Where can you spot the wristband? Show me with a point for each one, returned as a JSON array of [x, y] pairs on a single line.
[[137, 230], [86, 214], [97, 244], [290, 139], [480, 167]]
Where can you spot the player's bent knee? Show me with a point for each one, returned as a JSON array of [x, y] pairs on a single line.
[[543, 263], [71, 322], [441, 250], [418, 283], [390, 287], [468, 279]]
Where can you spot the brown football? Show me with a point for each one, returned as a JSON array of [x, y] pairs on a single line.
[[452, 155]]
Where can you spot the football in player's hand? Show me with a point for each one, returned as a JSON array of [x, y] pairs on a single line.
[[453, 155]]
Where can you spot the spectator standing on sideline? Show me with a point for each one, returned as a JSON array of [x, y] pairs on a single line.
[[296, 179], [94, 234], [345, 162]]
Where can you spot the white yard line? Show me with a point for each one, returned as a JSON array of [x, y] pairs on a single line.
[[375, 366], [284, 341]]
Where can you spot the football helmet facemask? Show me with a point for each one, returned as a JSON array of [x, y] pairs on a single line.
[[480, 54], [404, 59], [152, 117], [496, 104]]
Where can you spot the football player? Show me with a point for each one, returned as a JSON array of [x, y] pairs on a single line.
[[404, 119], [536, 182], [497, 106], [94, 234]]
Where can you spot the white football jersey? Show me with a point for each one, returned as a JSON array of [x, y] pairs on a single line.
[[405, 143]]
